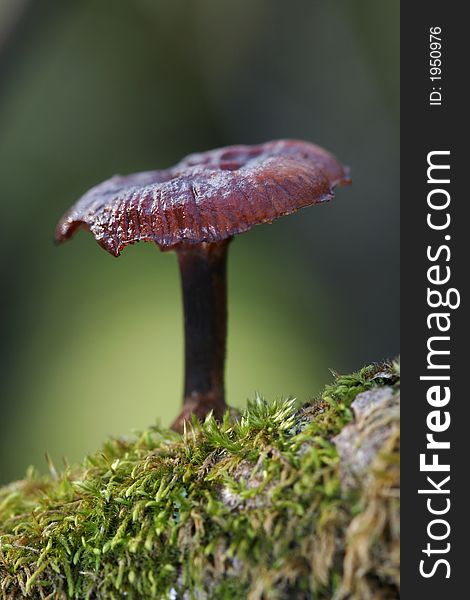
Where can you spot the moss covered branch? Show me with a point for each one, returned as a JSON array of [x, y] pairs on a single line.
[[285, 502]]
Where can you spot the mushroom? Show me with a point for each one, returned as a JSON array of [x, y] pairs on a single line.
[[195, 208]]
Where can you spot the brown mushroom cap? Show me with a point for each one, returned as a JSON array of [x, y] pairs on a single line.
[[207, 197]]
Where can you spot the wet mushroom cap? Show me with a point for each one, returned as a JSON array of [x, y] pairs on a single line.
[[207, 197]]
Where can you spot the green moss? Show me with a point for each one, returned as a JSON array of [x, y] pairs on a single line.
[[246, 509]]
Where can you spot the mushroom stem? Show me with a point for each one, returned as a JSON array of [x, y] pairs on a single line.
[[203, 270]]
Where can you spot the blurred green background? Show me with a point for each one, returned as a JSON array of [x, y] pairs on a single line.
[[91, 345]]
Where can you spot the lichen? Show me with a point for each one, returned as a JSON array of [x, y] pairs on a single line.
[[248, 509]]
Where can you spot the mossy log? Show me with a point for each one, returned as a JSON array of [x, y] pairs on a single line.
[[283, 502]]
